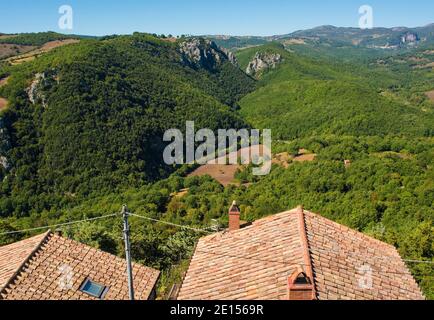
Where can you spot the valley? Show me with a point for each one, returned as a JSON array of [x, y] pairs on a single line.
[[81, 134]]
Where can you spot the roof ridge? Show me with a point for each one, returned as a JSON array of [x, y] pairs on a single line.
[[306, 249], [46, 237]]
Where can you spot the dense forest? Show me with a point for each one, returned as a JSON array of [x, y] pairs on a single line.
[[82, 135], [98, 117]]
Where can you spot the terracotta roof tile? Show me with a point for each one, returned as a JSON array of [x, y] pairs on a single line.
[[249, 263], [58, 268], [14, 255], [254, 263], [343, 259]]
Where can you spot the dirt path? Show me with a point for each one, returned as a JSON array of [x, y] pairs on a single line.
[[182, 193]]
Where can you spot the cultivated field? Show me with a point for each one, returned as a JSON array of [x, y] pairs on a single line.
[[29, 56], [225, 174], [10, 50]]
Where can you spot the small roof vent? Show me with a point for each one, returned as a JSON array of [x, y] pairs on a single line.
[[300, 286]]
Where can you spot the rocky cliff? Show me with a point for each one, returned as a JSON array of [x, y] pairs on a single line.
[[41, 82], [204, 53], [4, 145], [262, 62], [409, 38]]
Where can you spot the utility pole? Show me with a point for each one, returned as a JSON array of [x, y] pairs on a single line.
[[128, 251]]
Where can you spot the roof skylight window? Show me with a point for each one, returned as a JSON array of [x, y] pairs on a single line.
[[93, 289]]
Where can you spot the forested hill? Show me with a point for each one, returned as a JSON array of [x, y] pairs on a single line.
[[81, 134], [300, 96], [90, 117]]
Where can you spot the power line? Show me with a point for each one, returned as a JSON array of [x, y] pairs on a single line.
[[189, 228], [58, 225], [170, 223], [418, 261], [319, 249]]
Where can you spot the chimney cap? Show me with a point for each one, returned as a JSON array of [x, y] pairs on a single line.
[[234, 208]]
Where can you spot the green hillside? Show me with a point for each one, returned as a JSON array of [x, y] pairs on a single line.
[[302, 108], [82, 135], [99, 115], [293, 66], [304, 96]]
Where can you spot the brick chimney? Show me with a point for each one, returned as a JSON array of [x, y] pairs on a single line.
[[234, 217], [300, 286]]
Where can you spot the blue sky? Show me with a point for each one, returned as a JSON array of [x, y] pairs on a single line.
[[236, 17]]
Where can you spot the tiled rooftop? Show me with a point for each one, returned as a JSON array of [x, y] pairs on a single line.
[[54, 268], [256, 262], [12, 257]]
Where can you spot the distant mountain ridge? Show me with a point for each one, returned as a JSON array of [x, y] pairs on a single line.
[[376, 38]]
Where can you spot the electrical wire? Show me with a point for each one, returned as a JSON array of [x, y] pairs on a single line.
[[58, 225], [266, 260], [170, 223], [188, 228]]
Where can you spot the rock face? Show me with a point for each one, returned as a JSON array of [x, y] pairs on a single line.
[[4, 163], [230, 55], [4, 145], [263, 61], [41, 82], [32, 91], [203, 53], [409, 38]]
